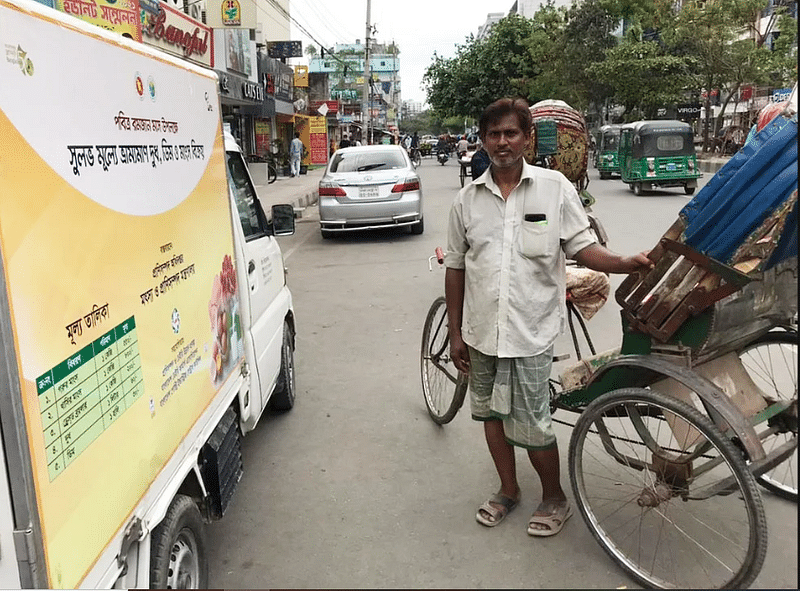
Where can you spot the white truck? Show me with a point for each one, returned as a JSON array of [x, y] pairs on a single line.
[[145, 320]]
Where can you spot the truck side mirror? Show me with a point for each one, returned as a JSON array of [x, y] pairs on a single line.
[[282, 220]]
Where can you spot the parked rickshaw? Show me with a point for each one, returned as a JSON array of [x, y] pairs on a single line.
[[658, 154], [606, 157], [698, 405], [560, 141]]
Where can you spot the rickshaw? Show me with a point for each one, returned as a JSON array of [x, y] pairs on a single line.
[[677, 426], [658, 154], [560, 141], [606, 158]]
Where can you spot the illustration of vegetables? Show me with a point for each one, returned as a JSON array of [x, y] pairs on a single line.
[[223, 290]]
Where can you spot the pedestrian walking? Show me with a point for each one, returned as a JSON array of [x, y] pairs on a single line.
[[508, 235], [295, 154]]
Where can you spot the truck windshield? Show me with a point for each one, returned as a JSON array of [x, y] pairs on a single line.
[[245, 197]]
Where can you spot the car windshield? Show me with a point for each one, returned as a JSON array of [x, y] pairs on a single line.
[[362, 161]]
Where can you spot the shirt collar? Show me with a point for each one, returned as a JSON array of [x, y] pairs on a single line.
[[528, 172]]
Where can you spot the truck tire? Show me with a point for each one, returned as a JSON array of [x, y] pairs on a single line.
[[178, 556], [283, 397]]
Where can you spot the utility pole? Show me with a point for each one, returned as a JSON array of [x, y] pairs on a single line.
[[365, 98], [394, 86]]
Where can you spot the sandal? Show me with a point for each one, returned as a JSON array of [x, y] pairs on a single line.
[[554, 521], [496, 513]]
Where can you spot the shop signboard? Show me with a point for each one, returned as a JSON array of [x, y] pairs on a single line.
[[120, 16], [688, 111], [231, 14], [281, 49], [262, 129], [318, 139], [174, 32], [331, 106], [781, 94]]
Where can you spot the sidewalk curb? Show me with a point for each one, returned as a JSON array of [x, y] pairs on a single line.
[[711, 166], [300, 203]]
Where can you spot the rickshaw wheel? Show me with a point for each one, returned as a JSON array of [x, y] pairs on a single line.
[[666, 495], [771, 361]]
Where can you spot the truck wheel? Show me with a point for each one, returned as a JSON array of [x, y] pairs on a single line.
[[284, 394], [178, 558]]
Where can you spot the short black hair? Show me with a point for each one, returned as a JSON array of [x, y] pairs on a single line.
[[502, 107]]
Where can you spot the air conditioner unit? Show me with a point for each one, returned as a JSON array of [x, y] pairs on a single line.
[[259, 35]]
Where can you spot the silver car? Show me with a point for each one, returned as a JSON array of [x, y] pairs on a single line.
[[370, 187]]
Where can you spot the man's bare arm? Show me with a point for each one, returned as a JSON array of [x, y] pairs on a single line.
[[454, 295], [600, 258]]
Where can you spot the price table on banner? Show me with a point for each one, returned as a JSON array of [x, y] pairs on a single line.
[[83, 395]]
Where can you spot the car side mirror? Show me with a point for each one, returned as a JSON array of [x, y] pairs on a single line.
[[282, 220]]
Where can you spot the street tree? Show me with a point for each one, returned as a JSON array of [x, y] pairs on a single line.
[[547, 56], [723, 59], [642, 75], [482, 70], [588, 33]]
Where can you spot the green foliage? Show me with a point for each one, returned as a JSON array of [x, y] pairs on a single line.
[[482, 70], [643, 77], [670, 52]]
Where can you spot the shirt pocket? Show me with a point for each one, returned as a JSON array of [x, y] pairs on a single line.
[[534, 239]]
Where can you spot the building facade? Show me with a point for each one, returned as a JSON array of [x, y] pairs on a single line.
[[344, 70]]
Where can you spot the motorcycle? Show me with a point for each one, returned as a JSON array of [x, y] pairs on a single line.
[[442, 157]]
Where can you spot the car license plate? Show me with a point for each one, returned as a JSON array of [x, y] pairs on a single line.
[[367, 192], [670, 166]]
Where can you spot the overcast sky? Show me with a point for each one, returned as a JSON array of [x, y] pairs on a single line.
[[418, 27]]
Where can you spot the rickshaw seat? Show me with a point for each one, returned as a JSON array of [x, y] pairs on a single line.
[[682, 283]]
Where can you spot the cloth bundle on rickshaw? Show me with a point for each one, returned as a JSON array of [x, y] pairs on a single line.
[[560, 133], [741, 224]]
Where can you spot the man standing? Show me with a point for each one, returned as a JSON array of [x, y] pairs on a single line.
[[508, 235], [295, 154]]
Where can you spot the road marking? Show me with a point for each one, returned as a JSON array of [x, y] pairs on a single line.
[[298, 245]]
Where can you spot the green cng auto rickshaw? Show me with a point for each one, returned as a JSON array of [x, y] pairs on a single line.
[[606, 159], [658, 154]]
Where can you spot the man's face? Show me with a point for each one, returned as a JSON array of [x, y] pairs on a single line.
[[505, 141]]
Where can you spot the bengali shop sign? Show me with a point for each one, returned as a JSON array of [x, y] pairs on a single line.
[[180, 35], [318, 132], [120, 16]]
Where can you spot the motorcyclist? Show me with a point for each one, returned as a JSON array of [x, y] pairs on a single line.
[[442, 146]]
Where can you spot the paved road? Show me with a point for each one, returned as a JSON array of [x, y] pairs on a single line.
[[356, 487]]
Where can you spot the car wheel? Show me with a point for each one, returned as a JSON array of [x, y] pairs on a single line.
[[326, 234], [419, 227], [688, 190]]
